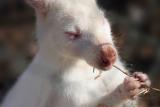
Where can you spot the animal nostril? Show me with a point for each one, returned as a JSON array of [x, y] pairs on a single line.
[[108, 55], [105, 62]]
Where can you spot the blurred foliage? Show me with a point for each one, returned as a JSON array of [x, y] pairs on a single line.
[[17, 45], [135, 25]]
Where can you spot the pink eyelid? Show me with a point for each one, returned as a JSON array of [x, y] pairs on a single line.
[[74, 35]]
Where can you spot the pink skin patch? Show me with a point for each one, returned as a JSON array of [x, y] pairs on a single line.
[[134, 85], [74, 35], [143, 78], [39, 6]]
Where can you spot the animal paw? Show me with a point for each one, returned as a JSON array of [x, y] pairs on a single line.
[[143, 78], [133, 86]]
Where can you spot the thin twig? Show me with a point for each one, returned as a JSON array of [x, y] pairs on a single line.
[[144, 91], [148, 88], [100, 72], [155, 89], [122, 71]]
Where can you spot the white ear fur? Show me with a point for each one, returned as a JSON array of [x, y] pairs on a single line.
[[38, 5]]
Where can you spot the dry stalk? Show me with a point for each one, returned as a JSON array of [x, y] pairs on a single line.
[[146, 90], [100, 72]]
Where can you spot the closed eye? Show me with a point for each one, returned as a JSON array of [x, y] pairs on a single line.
[[73, 35]]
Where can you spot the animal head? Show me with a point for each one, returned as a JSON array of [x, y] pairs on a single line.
[[75, 29]]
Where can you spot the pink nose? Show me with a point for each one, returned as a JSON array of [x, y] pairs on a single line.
[[108, 56]]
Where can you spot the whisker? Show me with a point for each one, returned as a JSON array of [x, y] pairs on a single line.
[[93, 69]]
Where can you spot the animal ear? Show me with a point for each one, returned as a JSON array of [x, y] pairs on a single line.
[[39, 5]]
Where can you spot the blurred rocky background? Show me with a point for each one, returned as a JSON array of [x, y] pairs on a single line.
[[135, 26]]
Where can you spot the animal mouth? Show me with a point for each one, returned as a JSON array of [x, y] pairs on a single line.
[[104, 64]]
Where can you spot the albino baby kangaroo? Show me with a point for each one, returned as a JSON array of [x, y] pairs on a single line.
[[73, 37]]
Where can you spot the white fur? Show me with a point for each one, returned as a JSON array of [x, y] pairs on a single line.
[[61, 75]]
